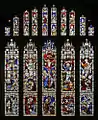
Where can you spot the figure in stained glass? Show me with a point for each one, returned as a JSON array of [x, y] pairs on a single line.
[[86, 79], [30, 79], [67, 79], [11, 79]]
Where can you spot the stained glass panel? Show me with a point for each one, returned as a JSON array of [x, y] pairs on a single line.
[[49, 79], [34, 22], [7, 31], [45, 21], [63, 22], [49, 104], [16, 26], [91, 30], [67, 79], [11, 79], [53, 21], [26, 23], [82, 25], [86, 79], [67, 104], [30, 80], [72, 23]]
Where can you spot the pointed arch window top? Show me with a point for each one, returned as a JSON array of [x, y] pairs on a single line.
[[15, 18], [63, 10], [86, 79], [68, 47], [67, 79], [87, 49], [49, 45], [45, 8], [30, 44], [26, 13], [11, 44]]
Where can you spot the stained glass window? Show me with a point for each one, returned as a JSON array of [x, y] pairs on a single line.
[[53, 21], [34, 22], [7, 31], [63, 22], [11, 79], [86, 79], [26, 23], [30, 80], [67, 79], [49, 79], [72, 23], [82, 25], [16, 26], [90, 30], [45, 21]]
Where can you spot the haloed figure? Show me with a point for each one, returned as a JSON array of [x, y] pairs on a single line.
[[49, 105]]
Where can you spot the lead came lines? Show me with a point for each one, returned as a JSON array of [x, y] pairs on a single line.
[[26, 23], [72, 23], [63, 22], [11, 79], [34, 22], [53, 21], [45, 21], [49, 79], [30, 80], [15, 26], [86, 79], [82, 25], [67, 79], [30, 77]]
